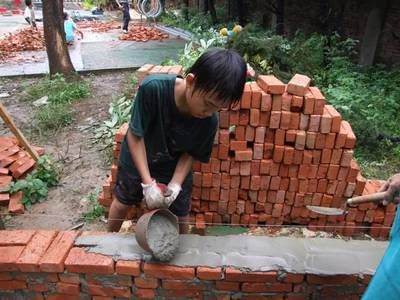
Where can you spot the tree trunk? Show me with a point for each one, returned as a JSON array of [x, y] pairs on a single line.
[[373, 28], [236, 10], [186, 9], [213, 13], [280, 17], [56, 47]]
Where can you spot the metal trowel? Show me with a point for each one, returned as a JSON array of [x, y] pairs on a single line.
[[333, 211]]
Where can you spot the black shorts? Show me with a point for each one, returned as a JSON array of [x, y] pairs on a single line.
[[129, 191]]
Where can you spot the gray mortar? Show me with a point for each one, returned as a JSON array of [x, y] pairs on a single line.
[[323, 256], [162, 238]]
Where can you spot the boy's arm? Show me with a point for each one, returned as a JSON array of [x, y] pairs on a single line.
[[139, 157], [152, 193], [182, 169]]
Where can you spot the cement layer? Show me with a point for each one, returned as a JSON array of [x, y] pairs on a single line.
[[254, 253]]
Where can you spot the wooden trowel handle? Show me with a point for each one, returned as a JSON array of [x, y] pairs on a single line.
[[367, 198]]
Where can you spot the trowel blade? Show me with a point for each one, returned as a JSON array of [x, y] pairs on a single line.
[[328, 211]]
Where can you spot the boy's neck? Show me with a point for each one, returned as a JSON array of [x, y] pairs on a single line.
[[180, 96]]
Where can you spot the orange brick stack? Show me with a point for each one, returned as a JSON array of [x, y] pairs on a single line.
[[14, 164], [280, 149]]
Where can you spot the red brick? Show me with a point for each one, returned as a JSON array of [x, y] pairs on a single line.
[[94, 289], [254, 117], [300, 139], [29, 259], [297, 103], [315, 121], [244, 155], [128, 267], [223, 151], [245, 102], [294, 120], [336, 118], [304, 121], [232, 274], [319, 100], [298, 85], [15, 204], [233, 117], [258, 151], [168, 272], [285, 120], [266, 101], [80, 261], [266, 287], [286, 102], [9, 256], [227, 286], [249, 134], [320, 141], [12, 285], [15, 237], [53, 259], [288, 155], [332, 279], [275, 119], [351, 138], [206, 273], [67, 288], [276, 102], [145, 293], [270, 84], [23, 169], [326, 122], [244, 117], [278, 153], [259, 136], [309, 101], [310, 140], [255, 95], [68, 278], [346, 159], [146, 282]]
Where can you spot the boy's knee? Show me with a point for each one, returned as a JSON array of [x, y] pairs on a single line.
[[116, 204]]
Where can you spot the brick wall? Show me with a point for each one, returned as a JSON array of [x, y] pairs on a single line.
[[46, 265], [281, 149]]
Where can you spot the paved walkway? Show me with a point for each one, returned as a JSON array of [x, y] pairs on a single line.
[[97, 51]]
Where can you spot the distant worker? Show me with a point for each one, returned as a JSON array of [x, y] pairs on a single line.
[[385, 283], [69, 29], [126, 17], [29, 14]]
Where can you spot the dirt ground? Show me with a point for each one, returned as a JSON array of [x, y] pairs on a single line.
[[84, 164]]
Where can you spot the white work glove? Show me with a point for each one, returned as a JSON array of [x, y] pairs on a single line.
[[153, 197], [173, 190]]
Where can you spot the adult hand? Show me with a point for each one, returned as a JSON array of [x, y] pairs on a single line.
[[172, 192], [153, 197], [392, 189]]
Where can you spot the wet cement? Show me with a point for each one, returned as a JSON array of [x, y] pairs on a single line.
[[253, 253], [163, 238]]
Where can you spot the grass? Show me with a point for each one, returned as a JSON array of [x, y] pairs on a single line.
[[61, 93], [95, 210]]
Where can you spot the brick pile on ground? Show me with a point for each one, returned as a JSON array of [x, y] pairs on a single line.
[[99, 26], [280, 149], [26, 39], [140, 33], [15, 163]]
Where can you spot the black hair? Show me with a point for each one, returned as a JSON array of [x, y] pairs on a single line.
[[65, 15], [28, 2], [221, 72]]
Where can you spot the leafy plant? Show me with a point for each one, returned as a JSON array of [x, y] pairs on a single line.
[[52, 117], [119, 111], [95, 209], [35, 186]]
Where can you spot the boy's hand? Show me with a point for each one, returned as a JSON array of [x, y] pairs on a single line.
[[153, 197], [173, 190], [392, 188]]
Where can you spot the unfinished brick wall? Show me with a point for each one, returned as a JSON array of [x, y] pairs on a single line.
[[46, 265], [280, 149]]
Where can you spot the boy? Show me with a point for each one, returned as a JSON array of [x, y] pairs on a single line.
[[126, 17], [29, 14], [174, 121], [69, 29]]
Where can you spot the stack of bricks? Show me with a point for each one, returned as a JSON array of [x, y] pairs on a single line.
[[15, 163], [280, 149], [46, 265]]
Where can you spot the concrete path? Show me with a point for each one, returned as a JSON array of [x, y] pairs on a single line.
[[256, 253], [97, 51]]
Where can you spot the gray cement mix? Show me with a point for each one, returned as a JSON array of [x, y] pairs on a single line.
[[323, 256], [162, 238]]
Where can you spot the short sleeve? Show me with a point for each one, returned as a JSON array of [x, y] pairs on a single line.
[[202, 150], [144, 109]]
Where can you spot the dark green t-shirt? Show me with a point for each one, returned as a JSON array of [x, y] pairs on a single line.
[[167, 132]]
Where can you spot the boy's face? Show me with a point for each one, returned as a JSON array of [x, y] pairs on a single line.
[[202, 104]]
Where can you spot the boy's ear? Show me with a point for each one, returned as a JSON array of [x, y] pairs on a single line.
[[190, 79]]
